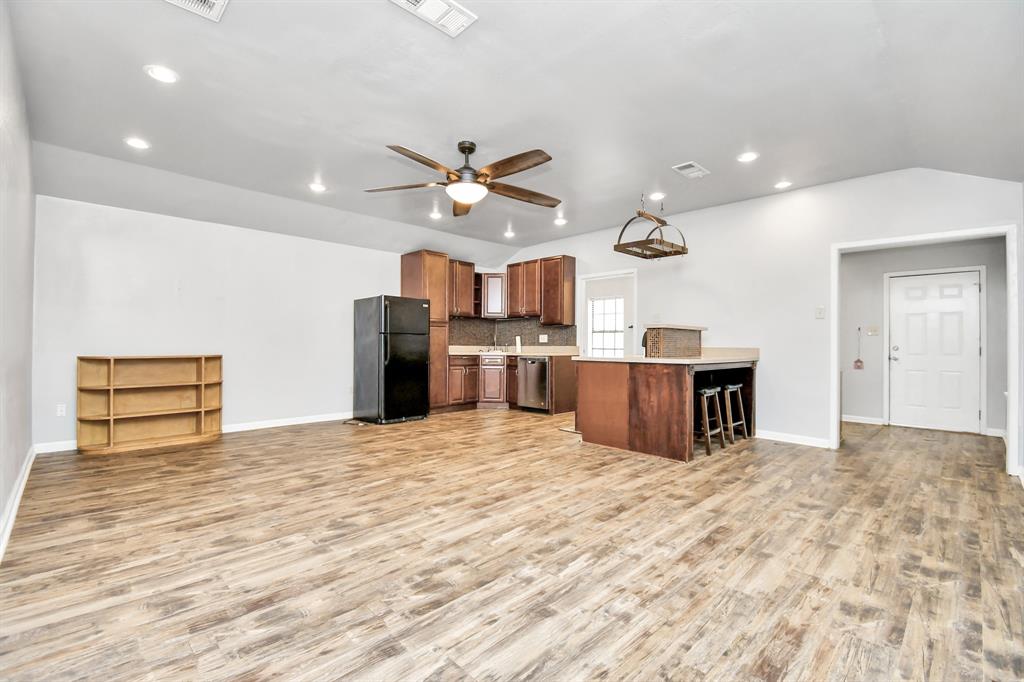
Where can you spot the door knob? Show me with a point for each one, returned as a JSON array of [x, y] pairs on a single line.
[[895, 347]]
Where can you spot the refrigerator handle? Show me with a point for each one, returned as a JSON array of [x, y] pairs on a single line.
[[387, 317], [385, 348]]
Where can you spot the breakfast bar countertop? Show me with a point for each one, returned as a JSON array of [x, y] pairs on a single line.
[[709, 356]]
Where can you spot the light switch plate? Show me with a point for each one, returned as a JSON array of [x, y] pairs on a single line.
[[819, 312], [871, 331], [543, 338], [62, 409]]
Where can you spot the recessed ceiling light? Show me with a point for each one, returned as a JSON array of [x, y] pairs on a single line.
[[162, 73], [317, 187], [783, 184], [657, 196], [136, 143], [435, 214], [508, 232], [560, 221], [747, 157]]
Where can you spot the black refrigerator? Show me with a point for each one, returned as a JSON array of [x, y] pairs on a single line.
[[392, 347]]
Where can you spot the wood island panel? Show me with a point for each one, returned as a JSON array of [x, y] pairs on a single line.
[[661, 410], [602, 413]]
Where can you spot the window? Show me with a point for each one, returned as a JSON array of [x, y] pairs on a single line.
[[607, 327]]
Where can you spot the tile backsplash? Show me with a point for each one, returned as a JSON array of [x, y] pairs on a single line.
[[464, 331]]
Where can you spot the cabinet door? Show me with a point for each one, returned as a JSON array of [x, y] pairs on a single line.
[[464, 288], [492, 384], [531, 288], [514, 283], [470, 384], [456, 385], [493, 295], [438, 380], [558, 290], [512, 384]]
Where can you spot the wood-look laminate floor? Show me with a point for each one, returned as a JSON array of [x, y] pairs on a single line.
[[490, 545]]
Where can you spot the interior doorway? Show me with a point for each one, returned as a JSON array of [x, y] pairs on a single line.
[[934, 336], [1008, 233], [606, 316]]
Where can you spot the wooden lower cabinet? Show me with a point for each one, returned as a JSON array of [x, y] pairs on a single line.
[[512, 381], [463, 379], [492, 379], [437, 384]]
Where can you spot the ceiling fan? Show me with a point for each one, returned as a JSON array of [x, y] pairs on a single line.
[[466, 185]]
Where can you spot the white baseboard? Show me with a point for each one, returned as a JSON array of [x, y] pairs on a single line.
[[11, 508], [862, 420], [55, 446], [291, 421], [66, 445], [997, 433], [792, 438]]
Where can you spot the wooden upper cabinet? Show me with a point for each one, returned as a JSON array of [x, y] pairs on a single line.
[[558, 290], [531, 288], [425, 275], [460, 295], [492, 297], [514, 285]]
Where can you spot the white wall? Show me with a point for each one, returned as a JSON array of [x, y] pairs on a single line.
[[862, 305], [757, 270], [113, 281], [16, 243]]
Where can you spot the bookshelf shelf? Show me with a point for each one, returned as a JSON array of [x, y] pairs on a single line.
[[138, 402]]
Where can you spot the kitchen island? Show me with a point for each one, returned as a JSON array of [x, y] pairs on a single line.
[[647, 404]]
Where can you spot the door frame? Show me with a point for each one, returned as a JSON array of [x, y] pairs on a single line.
[[581, 303], [1014, 459], [982, 320]]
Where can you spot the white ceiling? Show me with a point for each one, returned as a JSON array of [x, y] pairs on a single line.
[[616, 92]]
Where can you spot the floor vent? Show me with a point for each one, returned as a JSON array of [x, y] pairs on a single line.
[[208, 9], [446, 16], [692, 170]]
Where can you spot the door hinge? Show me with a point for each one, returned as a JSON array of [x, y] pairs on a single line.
[[979, 351]]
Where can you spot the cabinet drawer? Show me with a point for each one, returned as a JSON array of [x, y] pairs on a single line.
[[492, 360], [463, 360]]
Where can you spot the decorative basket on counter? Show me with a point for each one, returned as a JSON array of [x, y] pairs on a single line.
[[651, 246], [673, 342]]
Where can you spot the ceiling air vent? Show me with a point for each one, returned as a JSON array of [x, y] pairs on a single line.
[[692, 170], [208, 9], [445, 15]]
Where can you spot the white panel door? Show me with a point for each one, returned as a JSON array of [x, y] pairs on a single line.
[[935, 351]]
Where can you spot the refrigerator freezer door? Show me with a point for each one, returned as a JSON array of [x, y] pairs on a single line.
[[403, 389], [405, 315]]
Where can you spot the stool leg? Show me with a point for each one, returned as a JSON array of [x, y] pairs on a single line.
[[728, 418], [718, 416], [743, 417], [704, 421]]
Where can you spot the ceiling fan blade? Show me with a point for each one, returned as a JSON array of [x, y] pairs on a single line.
[[460, 209], [419, 158], [416, 186], [527, 195], [515, 164]]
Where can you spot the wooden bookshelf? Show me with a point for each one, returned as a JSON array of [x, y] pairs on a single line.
[[137, 402]]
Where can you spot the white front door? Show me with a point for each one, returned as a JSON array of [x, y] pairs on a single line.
[[935, 351]]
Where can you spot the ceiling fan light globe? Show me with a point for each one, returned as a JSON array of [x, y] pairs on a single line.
[[466, 192]]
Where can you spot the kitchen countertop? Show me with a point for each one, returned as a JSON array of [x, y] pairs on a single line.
[[709, 356], [527, 350]]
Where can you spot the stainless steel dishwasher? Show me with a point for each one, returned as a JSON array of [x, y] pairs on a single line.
[[533, 382]]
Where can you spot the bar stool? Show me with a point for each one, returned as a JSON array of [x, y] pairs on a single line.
[[730, 423], [706, 432]]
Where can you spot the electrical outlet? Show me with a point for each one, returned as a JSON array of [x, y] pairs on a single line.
[[62, 410], [543, 338], [819, 312]]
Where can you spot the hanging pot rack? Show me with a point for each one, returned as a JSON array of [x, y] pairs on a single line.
[[651, 246]]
